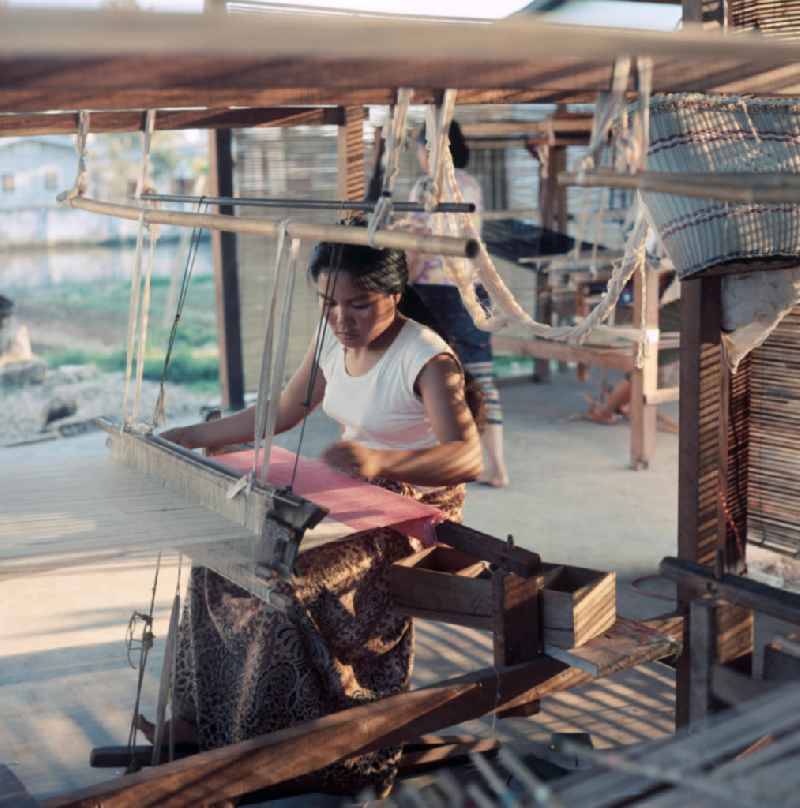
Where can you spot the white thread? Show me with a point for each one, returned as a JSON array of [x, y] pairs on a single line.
[[287, 280], [136, 280], [133, 316], [266, 357], [143, 325]]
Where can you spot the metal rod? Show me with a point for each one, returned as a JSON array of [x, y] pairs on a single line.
[[309, 204]]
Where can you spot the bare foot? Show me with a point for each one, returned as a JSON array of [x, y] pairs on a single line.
[[495, 481], [666, 424], [599, 415], [184, 731]]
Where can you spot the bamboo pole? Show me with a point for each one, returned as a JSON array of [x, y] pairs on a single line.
[[731, 186], [339, 234]]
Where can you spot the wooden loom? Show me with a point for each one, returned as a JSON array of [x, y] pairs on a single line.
[[274, 73]]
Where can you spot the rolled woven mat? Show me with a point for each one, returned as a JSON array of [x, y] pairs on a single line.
[[695, 133]]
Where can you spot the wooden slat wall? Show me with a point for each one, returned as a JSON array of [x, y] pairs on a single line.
[[351, 174], [779, 18], [290, 163]]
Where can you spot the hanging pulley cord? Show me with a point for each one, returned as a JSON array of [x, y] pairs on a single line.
[[330, 289], [382, 213], [144, 650], [159, 411]]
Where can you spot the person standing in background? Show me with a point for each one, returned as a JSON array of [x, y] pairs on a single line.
[[440, 294]]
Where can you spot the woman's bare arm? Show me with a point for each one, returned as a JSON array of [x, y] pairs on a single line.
[[240, 427], [456, 459]]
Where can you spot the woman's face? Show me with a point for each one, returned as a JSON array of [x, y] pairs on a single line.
[[357, 317]]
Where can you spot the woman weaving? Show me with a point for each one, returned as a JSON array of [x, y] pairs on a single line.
[[396, 388]]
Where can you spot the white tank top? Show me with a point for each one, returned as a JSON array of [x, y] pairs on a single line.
[[380, 409]]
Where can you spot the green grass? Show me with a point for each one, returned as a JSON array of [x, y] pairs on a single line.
[[102, 310]]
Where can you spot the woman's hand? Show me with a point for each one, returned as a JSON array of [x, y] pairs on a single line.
[[182, 435], [353, 458]]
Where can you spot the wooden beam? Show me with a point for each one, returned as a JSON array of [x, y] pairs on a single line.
[[226, 275], [517, 628], [488, 548], [86, 92], [697, 580], [735, 688], [133, 120], [231, 771], [291, 38], [528, 142], [644, 380], [616, 358], [576, 123]]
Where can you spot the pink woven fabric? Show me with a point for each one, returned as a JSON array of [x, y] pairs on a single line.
[[351, 501]]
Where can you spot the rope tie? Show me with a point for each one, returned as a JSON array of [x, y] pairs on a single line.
[[159, 411], [396, 139], [82, 177], [437, 135]]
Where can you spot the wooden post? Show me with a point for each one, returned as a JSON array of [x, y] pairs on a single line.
[[544, 314], [700, 405], [350, 177], [734, 441], [644, 380], [698, 465], [712, 487], [226, 275], [517, 635], [702, 656], [553, 204]]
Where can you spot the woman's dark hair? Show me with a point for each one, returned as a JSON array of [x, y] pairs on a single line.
[[459, 150], [386, 271]]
